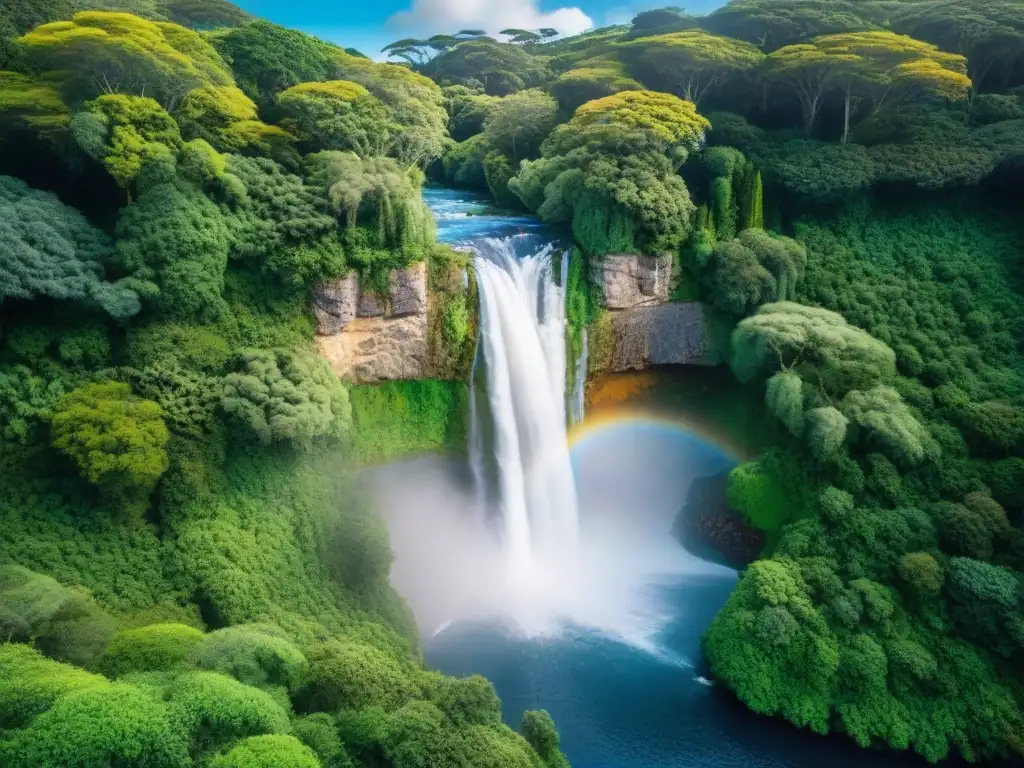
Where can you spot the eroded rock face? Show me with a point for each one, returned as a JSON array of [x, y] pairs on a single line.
[[369, 338], [637, 338], [335, 304], [670, 334], [630, 280]]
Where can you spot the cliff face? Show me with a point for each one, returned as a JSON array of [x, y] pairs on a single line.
[[641, 327], [369, 338]]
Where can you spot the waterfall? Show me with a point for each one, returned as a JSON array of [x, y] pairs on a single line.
[[580, 382], [522, 349]]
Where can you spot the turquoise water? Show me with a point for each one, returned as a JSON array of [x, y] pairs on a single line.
[[622, 706], [627, 690]]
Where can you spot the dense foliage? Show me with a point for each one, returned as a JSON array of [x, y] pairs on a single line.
[[845, 199], [852, 214], [189, 574]]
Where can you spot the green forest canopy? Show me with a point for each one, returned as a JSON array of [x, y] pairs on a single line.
[[839, 182]]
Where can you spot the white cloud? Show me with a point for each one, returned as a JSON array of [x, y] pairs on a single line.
[[427, 17]]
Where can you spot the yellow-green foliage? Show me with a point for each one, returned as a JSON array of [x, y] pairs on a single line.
[[115, 438], [30, 683], [598, 79], [406, 417], [337, 114], [225, 117], [99, 51], [268, 751], [689, 63], [32, 103], [154, 648], [135, 128]]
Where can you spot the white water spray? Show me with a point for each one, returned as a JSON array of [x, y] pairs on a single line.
[[522, 337]]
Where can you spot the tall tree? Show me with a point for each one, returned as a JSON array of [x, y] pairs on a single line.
[[689, 63], [519, 123], [100, 53]]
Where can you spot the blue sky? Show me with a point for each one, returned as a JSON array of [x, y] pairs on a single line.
[[371, 24]]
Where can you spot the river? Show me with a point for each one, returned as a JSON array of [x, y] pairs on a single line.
[[614, 653]]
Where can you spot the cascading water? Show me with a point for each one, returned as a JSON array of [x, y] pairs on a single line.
[[522, 349]]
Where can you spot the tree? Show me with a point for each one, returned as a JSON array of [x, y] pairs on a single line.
[[267, 59], [100, 53], [49, 250], [122, 132], [268, 751], [661, 21], [467, 111], [578, 86], [117, 440], [810, 72], [337, 114], [736, 281], [772, 24], [347, 675], [214, 710], [986, 603], [521, 36], [281, 396], [887, 64], [888, 423], [874, 66], [690, 63], [818, 344], [226, 118], [415, 102], [176, 240], [610, 172], [921, 574], [203, 14], [539, 730], [502, 68], [30, 684], [374, 193], [258, 655], [826, 431], [27, 102], [154, 648], [63, 622], [519, 123], [989, 34], [117, 724], [319, 732], [784, 398]]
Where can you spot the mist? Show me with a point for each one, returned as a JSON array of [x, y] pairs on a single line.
[[451, 563]]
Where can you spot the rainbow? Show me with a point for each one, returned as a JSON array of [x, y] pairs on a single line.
[[607, 418]]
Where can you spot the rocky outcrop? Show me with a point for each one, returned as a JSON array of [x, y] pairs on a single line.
[[630, 280], [642, 327], [369, 338], [708, 528], [670, 334]]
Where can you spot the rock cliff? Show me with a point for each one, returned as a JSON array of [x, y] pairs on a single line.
[[641, 327], [368, 337]]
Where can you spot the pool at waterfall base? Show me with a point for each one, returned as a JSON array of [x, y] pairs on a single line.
[[603, 631]]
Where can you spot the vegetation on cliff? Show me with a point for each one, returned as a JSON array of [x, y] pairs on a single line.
[[188, 573]]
